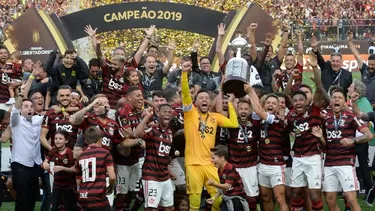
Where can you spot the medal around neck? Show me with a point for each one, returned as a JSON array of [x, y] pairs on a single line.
[[267, 141], [237, 69]]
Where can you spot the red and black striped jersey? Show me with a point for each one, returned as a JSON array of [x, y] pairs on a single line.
[[305, 143], [6, 78], [16, 72], [230, 176], [113, 87], [176, 124], [154, 120], [271, 141], [80, 105], [177, 121], [346, 126], [4, 91], [53, 122], [62, 179], [110, 128], [282, 80], [242, 144], [91, 168], [129, 119], [222, 136], [178, 111], [158, 148]]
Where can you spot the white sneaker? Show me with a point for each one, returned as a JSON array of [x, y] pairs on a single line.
[[11, 101]]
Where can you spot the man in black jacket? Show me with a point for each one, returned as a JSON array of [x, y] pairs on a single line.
[[195, 79], [94, 84], [69, 72], [332, 73], [210, 80]]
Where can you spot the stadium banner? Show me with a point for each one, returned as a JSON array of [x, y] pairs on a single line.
[[34, 34], [328, 47], [37, 40], [348, 61], [143, 14]]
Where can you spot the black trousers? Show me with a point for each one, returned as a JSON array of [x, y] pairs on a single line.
[[237, 205], [362, 153], [26, 185], [105, 208], [67, 197]]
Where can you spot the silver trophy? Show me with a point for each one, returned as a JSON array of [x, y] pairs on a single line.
[[237, 69]]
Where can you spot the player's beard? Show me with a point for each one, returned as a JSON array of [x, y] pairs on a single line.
[[115, 70], [242, 117], [204, 109], [67, 102], [371, 71], [104, 113]]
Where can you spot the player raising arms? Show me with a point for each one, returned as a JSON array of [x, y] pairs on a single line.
[[339, 171], [305, 122], [200, 132], [242, 147], [156, 183], [271, 169]]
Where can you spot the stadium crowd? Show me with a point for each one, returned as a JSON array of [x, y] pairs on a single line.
[[102, 127], [326, 17], [329, 19], [100, 123]]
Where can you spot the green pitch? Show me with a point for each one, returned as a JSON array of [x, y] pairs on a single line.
[[9, 206]]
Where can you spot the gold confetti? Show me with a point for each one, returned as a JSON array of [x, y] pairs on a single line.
[[183, 40]]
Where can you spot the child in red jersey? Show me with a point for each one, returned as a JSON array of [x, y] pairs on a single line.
[[231, 186], [64, 172], [92, 167], [132, 78], [14, 72]]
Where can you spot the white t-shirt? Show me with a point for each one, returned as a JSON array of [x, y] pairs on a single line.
[[254, 77]]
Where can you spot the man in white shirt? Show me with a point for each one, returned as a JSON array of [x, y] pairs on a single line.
[[26, 155]]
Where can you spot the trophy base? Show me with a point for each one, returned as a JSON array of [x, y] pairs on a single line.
[[235, 87]]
